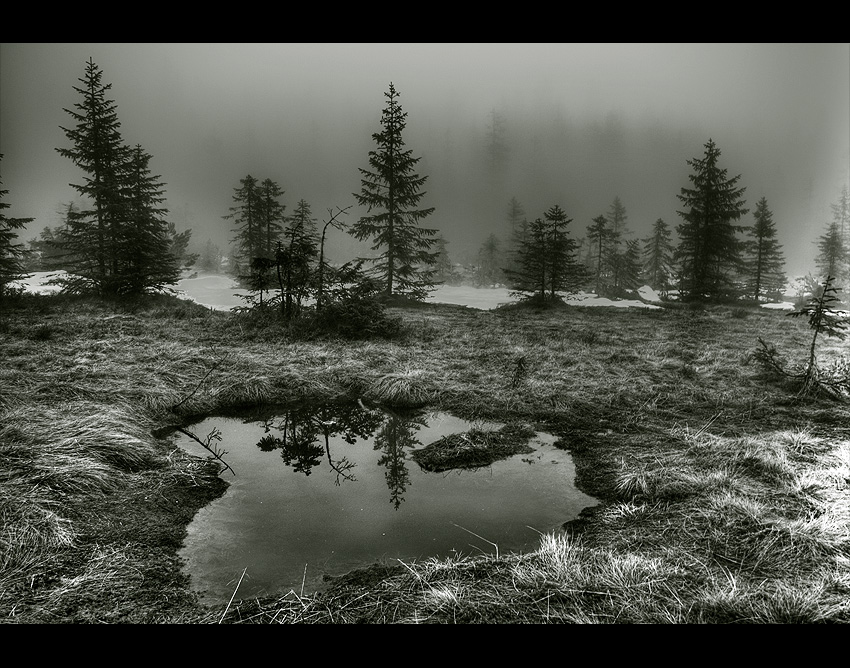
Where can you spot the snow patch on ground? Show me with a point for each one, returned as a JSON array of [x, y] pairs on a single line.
[[220, 292], [37, 282]]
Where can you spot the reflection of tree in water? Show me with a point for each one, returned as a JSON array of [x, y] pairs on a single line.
[[303, 429], [392, 439]]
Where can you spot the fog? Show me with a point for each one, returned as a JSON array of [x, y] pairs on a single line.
[[581, 124]]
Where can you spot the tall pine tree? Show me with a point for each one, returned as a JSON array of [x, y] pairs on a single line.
[[764, 260], [147, 260], [393, 191], [709, 250], [564, 272], [597, 237], [528, 272], [833, 256], [296, 255], [119, 245], [489, 269], [250, 229], [841, 215], [614, 255], [93, 242], [658, 257], [271, 216], [546, 261], [517, 232]]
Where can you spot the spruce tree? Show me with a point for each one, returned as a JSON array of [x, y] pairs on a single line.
[[247, 214], [517, 230], [529, 274], [443, 268], [546, 260], [597, 236], [832, 258], [147, 261], [764, 260], [94, 240], [708, 250], [563, 270], [52, 242], [613, 255], [393, 190], [489, 269], [841, 215], [271, 216], [658, 257], [630, 266], [296, 254], [11, 252]]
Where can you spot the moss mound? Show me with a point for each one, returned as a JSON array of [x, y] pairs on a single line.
[[474, 448]]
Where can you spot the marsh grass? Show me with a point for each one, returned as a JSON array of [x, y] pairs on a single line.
[[475, 448], [722, 497]]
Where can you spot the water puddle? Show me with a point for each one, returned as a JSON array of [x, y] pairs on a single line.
[[324, 490]]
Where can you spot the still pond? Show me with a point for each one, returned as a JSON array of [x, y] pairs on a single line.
[[324, 490]]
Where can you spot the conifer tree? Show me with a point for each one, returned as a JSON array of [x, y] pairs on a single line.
[[489, 262], [764, 260], [597, 236], [443, 269], [563, 270], [841, 215], [630, 266], [11, 252], [210, 257], [51, 242], [247, 214], [393, 190], [833, 256], [658, 257], [616, 231], [94, 237], [147, 259], [547, 261], [118, 246], [530, 272], [708, 250], [517, 230], [296, 253], [823, 319], [271, 215]]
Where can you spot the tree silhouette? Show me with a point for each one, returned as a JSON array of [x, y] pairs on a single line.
[[708, 249], [247, 214], [393, 190], [101, 244], [833, 256], [658, 257], [764, 260]]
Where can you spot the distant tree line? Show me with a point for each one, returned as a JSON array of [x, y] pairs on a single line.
[[119, 243], [715, 259]]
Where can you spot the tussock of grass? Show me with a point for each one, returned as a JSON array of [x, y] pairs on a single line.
[[475, 448], [722, 497], [409, 388]]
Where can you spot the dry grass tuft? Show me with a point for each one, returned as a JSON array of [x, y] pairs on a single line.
[[409, 388]]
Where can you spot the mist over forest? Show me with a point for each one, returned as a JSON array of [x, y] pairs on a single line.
[[570, 124]]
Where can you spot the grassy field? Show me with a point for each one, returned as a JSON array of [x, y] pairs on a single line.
[[725, 496]]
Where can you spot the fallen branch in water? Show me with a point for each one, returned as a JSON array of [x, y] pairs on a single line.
[[214, 451]]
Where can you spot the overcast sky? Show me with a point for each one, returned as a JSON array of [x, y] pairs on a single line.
[[584, 123]]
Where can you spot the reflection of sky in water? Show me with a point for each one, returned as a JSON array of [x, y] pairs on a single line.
[[274, 520]]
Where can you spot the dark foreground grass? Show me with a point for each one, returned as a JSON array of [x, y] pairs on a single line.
[[723, 494]]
